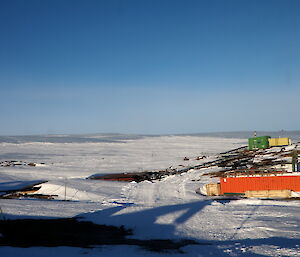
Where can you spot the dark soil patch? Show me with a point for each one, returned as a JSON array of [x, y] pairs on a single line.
[[71, 232]]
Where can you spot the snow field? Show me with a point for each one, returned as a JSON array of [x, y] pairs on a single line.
[[166, 209]]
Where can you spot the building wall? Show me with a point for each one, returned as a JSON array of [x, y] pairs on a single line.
[[243, 184]]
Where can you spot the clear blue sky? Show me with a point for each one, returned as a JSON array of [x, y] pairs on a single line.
[[150, 66]]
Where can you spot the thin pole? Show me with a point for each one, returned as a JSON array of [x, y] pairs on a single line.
[[65, 190], [295, 161]]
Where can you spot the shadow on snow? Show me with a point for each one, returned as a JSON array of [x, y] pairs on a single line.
[[143, 224]]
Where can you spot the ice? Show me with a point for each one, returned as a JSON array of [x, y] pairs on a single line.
[[165, 209]]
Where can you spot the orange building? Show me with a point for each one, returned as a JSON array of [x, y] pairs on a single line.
[[241, 184]]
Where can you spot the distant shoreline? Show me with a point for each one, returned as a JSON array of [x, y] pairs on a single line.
[[119, 138]]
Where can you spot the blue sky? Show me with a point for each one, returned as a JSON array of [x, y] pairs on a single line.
[[155, 66]]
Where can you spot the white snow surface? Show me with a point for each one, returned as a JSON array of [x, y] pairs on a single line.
[[166, 209]]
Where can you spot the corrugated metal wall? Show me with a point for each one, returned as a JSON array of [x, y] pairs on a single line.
[[279, 141], [255, 143], [242, 184]]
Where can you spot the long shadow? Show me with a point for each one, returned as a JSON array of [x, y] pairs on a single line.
[[241, 226], [77, 232], [141, 229], [144, 222], [149, 228]]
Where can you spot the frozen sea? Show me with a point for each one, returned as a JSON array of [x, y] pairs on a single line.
[[165, 209]]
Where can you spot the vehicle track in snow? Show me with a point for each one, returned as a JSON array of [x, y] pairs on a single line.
[[172, 189]]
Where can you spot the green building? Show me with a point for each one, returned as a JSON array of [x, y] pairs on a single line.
[[255, 143]]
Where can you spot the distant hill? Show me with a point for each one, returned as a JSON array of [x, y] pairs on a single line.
[[294, 135]]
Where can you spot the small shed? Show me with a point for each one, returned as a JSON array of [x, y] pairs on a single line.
[[255, 143], [281, 141]]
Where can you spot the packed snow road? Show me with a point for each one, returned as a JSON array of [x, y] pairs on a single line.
[[165, 209]]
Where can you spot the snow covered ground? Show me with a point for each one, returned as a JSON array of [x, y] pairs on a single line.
[[166, 209]]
